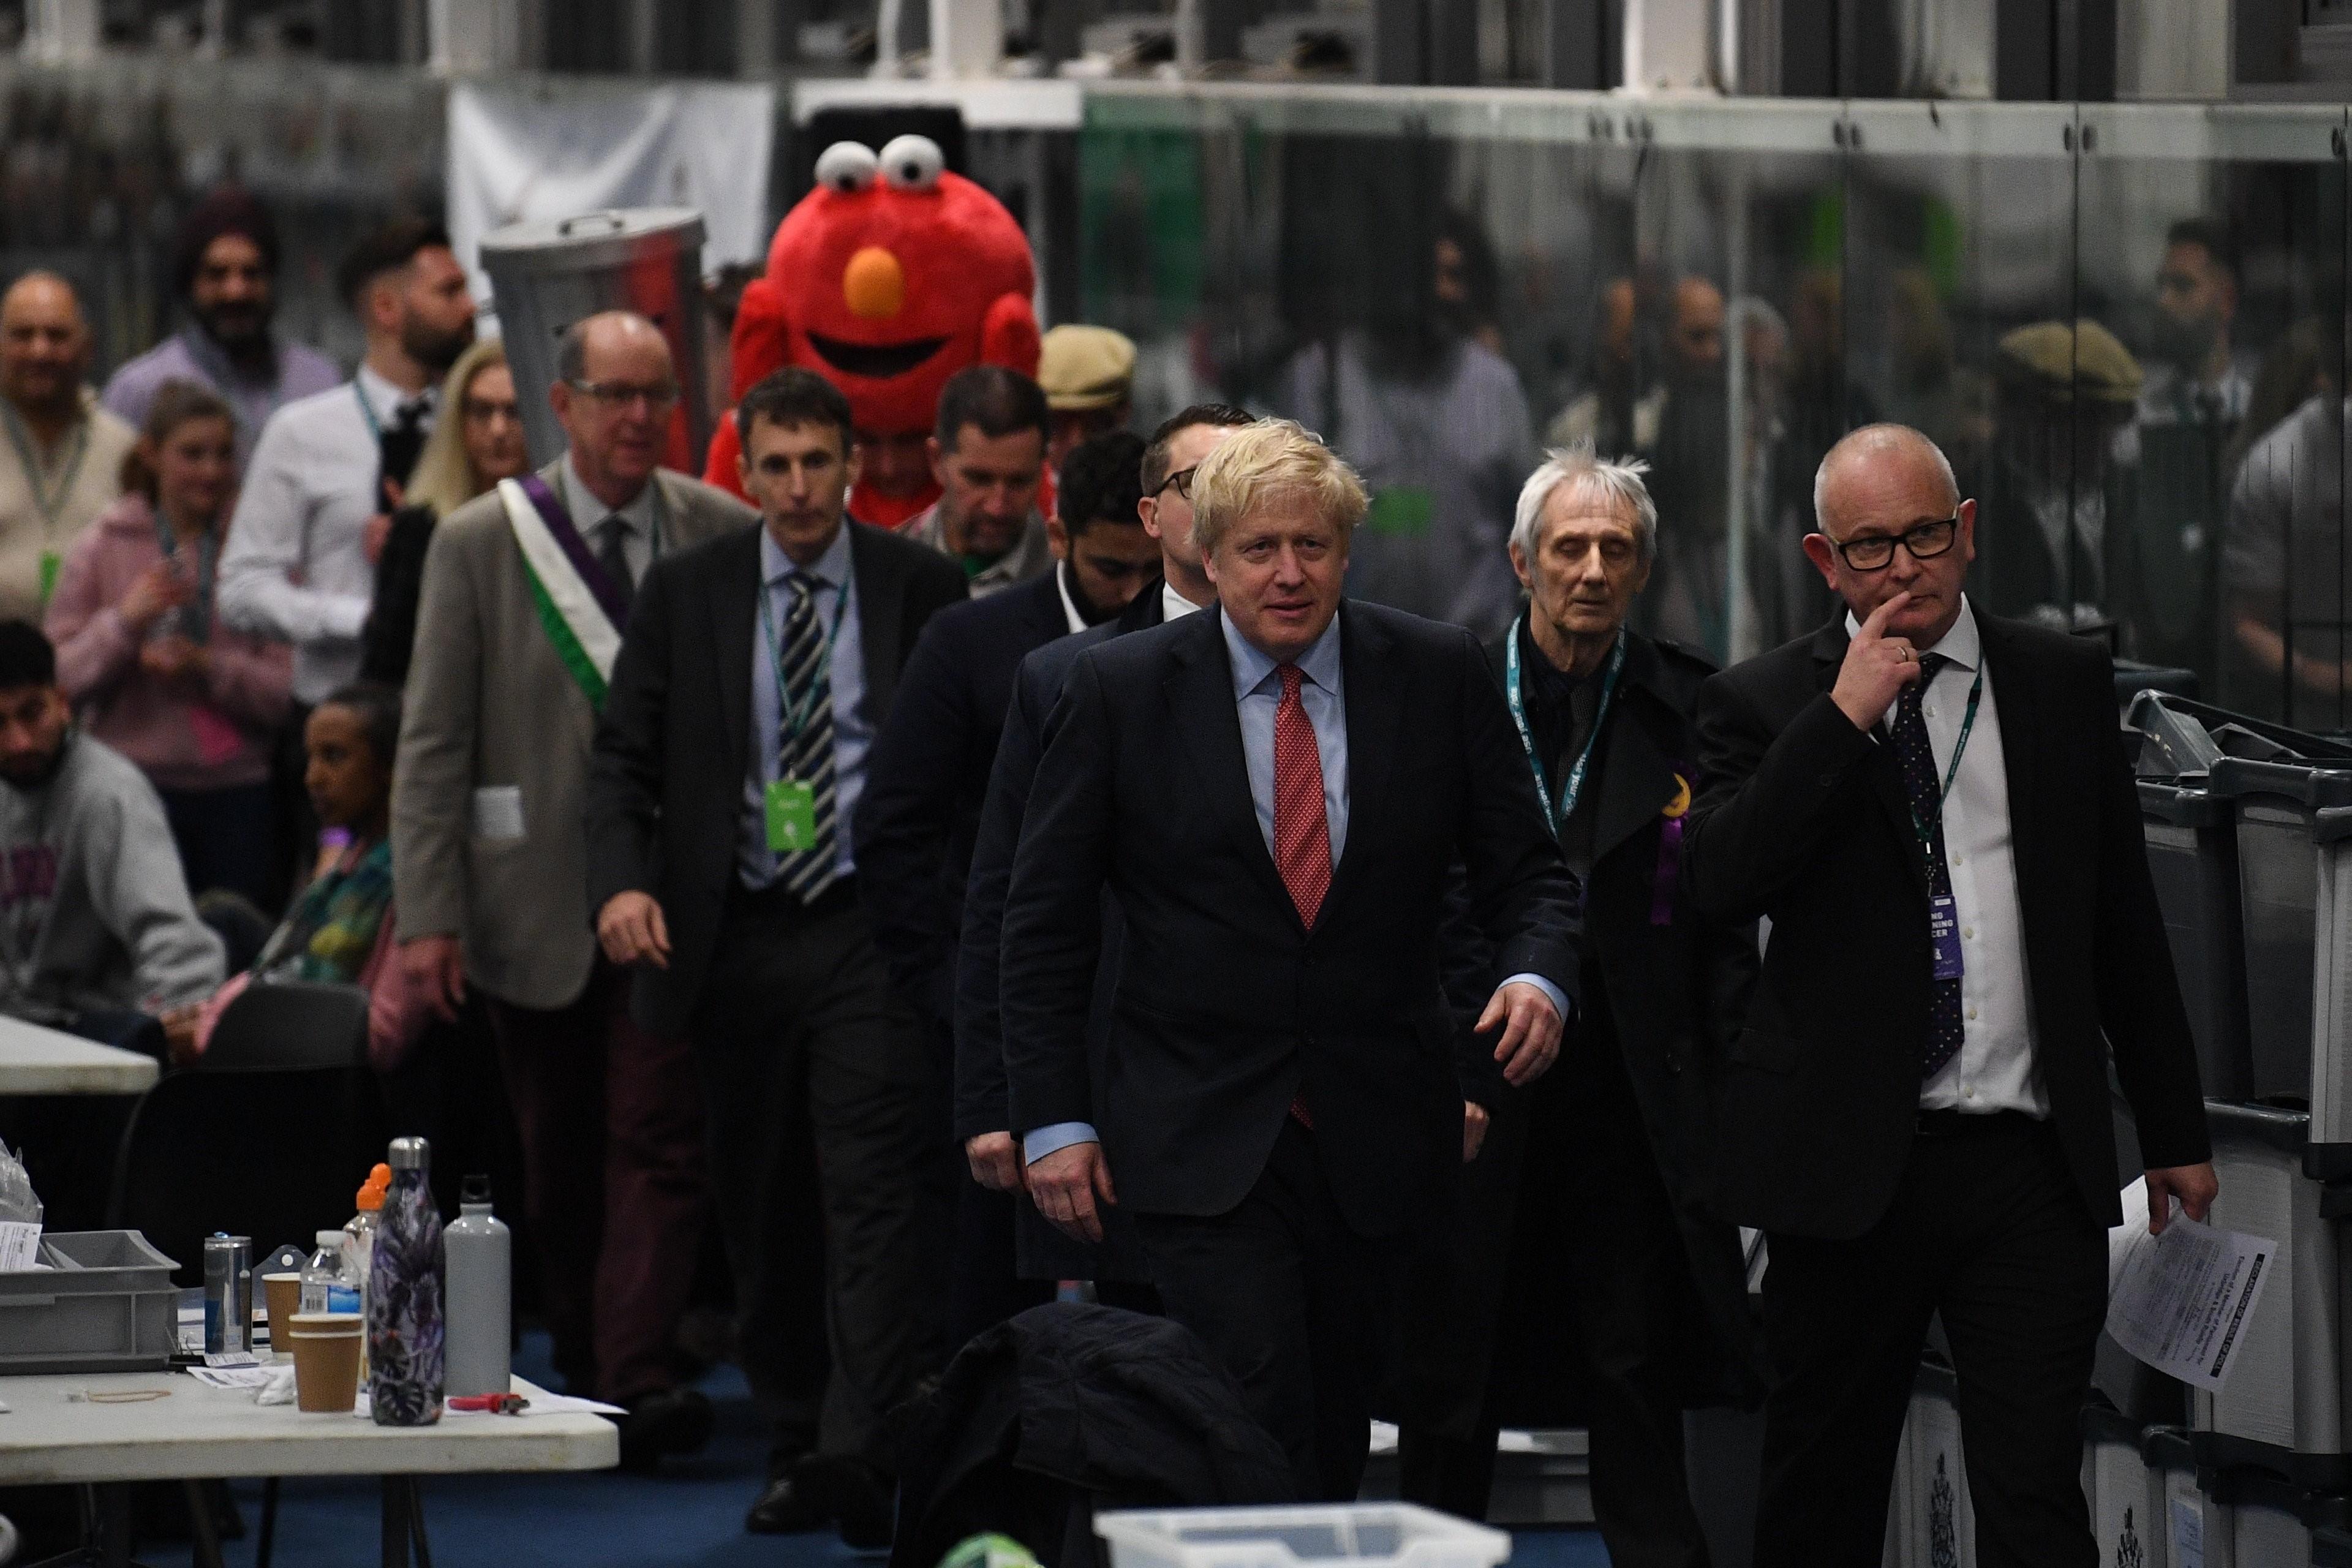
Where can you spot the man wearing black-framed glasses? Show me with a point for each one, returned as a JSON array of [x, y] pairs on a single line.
[[1932, 807]]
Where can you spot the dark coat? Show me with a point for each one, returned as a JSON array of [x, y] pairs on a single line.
[[1044, 1252], [928, 775], [666, 780], [1663, 997], [1802, 818], [1227, 1006], [1065, 1409]]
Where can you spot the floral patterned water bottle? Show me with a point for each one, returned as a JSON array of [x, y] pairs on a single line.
[[404, 1292]]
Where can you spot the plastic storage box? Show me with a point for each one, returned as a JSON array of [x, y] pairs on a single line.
[[2281, 1409], [2190, 1519], [2285, 830], [2192, 857], [2272, 1523], [1343, 1535], [1930, 1522], [104, 1302], [2126, 1497]]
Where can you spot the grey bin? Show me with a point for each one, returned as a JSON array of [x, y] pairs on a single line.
[[547, 274], [2281, 808], [2282, 1407], [2192, 857], [2272, 1525], [2127, 1498], [2196, 1530], [104, 1302], [1930, 1522]]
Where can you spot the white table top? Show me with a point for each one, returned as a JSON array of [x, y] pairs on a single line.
[[36, 1060], [202, 1432]]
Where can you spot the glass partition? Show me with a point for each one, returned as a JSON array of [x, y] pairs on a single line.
[[2125, 324]]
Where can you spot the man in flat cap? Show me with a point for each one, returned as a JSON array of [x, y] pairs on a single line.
[[2058, 543], [1088, 374], [224, 267]]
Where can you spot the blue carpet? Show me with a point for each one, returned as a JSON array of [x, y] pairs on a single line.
[[690, 1516]]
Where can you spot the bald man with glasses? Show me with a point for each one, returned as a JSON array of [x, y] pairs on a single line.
[[1932, 808]]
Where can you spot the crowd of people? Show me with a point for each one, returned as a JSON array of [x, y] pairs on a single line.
[[951, 913]]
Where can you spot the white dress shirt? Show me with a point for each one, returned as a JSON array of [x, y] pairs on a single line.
[[295, 562], [641, 537], [1995, 1067], [834, 581], [1077, 622], [1173, 605]]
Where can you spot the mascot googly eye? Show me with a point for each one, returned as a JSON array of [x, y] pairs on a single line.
[[912, 163], [850, 167]]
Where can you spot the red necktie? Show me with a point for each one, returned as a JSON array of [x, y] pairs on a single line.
[[1302, 838]]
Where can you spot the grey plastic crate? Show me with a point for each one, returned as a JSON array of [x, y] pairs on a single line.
[[2279, 807], [2192, 857], [104, 1303]]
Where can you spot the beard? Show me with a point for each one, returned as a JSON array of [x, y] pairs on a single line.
[[2184, 343], [435, 351], [241, 328]]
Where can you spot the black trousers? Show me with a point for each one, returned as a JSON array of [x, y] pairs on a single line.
[[809, 1061], [1296, 1305], [1988, 1229], [1590, 1177]]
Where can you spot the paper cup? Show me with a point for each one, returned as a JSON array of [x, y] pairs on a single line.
[[326, 1361], [285, 1298]]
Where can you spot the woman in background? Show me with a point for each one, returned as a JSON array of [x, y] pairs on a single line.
[[477, 443], [153, 673]]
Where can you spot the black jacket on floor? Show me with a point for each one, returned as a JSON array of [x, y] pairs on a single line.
[[1066, 1409]]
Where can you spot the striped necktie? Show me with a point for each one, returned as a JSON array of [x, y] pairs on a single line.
[[804, 743]]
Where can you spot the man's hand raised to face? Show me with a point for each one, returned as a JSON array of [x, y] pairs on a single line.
[[1876, 668]]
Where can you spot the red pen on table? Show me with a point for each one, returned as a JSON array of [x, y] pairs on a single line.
[[495, 1404]]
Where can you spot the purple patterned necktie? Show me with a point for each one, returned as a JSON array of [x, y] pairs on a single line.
[[1922, 783]]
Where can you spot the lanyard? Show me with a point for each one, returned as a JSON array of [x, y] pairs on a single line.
[[50, 500], [1926, 830], [794, 714], [367, 412], [1574, 786]]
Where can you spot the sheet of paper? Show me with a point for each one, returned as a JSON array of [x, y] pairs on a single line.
[[246, 1376], [2182, 1300], [20, 1245], [498, 812]]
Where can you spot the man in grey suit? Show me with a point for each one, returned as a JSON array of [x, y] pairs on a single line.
[[526, 592]]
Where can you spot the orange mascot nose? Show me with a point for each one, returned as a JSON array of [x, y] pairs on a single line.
[[873, 284]]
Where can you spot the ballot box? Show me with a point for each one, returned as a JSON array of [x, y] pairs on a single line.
[[2192, 857], [2294, 826], [2126, 1497], [2281, 1408], [2194, 1530], [1929, 1523], [2272, 1523]]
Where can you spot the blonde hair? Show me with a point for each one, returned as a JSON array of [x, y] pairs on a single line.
[[444, 477], [1259, 462]]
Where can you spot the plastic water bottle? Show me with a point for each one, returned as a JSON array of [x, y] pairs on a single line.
[[404, 1344], [326, 1285], [480, 1305]]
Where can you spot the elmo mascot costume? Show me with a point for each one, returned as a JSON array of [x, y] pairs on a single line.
[[888, 278]]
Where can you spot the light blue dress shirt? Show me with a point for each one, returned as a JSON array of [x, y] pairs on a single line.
[[1257, 693], [834, 593]]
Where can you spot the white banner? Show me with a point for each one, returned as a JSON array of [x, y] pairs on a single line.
[[517, 153]]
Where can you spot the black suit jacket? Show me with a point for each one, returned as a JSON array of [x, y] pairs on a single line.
[[1802, 818], [980, 1090], [928, 775], [665, 779], [1226, 1006]]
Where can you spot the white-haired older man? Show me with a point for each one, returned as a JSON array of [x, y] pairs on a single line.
[[1275, 792], [1592, 1166]]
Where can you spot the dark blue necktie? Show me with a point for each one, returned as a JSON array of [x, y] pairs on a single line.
[[1922, 783]]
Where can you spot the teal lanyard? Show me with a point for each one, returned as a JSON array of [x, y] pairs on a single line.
[[1555, 815], [1926, 830], [367, 412], [795, 713], [49, 499]]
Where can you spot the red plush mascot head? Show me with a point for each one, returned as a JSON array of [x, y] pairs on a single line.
[[887, 278]]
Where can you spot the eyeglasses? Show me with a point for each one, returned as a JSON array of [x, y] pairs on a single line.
[[1924, 541], [482, 410], [1181, 481], [620, 392]]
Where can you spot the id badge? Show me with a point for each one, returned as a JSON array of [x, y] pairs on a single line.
[[792, 815], [1944, 933], [51, 564]]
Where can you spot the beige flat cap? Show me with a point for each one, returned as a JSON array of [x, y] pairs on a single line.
[[1085, 367], [2065, 362]]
